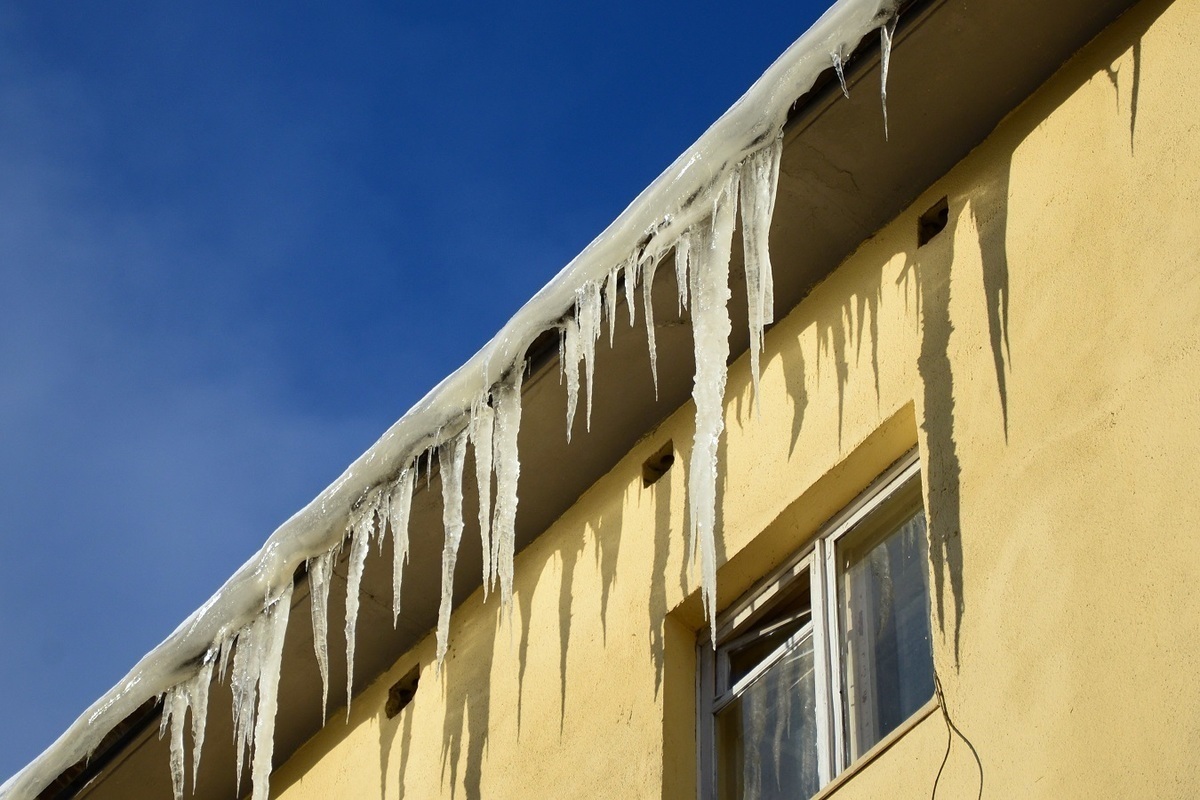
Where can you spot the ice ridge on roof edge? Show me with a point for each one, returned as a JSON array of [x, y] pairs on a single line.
[[689, 209]]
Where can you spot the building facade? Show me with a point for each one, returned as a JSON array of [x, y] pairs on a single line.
[[1041, 354], [955, 549]]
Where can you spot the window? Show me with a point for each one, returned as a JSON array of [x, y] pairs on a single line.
[[824, 657]]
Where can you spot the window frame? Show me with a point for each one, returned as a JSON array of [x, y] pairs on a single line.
[[818, 557]]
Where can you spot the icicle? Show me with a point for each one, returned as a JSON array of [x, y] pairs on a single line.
[[223, 658], [270, 657], [177, 701], [631, 280], [610, 303], [483, 421], [648, 303], [571, 355], [360, 527], [759, 177], [437, 437], [175, 706], [839, 66], [710, 331], [243, 685], [451, 456], [885, 48], [507, 397], [320, 570], [682, 249], [562, 356], [587, 304], [399, 507], [198, 700], [383, 513]]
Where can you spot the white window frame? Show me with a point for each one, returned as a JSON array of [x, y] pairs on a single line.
[[819, 559]]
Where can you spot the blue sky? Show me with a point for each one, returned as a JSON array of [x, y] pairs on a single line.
[[237, 243]]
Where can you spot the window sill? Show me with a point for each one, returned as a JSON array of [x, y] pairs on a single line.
[[881, 747]]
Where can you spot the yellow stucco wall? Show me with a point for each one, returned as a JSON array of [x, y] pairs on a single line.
[[1044, 351]]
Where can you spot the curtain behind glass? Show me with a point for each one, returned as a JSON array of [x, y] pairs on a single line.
[[767, 735], [888, 660]]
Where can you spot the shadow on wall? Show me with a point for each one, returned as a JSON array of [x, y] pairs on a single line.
[[464, 685], [856, 323], [468, 710], [832, 341], [840, 337], [853, 324], [524, 602], [660, 495], [570, 557], [607, 540], [1135, 80], [387, 733], [793, 378], [606, 533], [989, 210], [988, 202], [931, 267]]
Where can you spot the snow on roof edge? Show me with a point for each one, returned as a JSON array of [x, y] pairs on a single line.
[[651, 223]]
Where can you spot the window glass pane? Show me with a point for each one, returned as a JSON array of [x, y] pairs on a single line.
[[783, 619], [767, 735], [887, 658]]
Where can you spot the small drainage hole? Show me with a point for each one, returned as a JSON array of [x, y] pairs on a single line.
[[932, 222], [658, 464], [402, 692]]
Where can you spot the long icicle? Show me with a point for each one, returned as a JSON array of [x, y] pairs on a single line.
[[839, 66], [507, 396], [710, 330], [588, 304], [175, 706], [610, 303], [399, 509], [759, 177], [198, 700], [572, 354], [683, 248], [631, 281], [225, 652], [274, 631], [483, 423], [188, 696], [243, 685], [320, 571], [885, 48], [562, 356], [360, 528], [648, 305], [382, 514], [451, 456]]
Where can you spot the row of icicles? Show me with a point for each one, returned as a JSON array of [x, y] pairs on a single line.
[[702, 255]]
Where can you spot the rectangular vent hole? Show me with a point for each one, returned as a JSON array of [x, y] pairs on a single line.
[[402, 692], [658, 464], [932, 222]]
